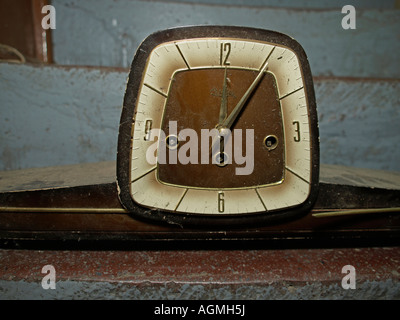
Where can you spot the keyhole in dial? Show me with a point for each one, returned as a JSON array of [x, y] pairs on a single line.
[[270, 142], [172, 142], [221, 159]]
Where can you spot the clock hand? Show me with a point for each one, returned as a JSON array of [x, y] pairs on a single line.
[[223, 110], [228, 122], [222, 114]]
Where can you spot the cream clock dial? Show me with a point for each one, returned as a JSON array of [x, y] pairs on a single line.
[[219, 127]]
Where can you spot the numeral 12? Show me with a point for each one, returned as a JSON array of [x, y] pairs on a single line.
[[225, 47]]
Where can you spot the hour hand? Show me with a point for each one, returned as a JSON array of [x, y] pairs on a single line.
[[223, 111]]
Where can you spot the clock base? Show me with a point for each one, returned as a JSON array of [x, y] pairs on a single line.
[[80, 203]]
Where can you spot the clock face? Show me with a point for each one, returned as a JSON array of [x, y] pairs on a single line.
[[219, 125]]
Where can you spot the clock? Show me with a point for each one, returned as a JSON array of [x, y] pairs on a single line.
[[218, 127]]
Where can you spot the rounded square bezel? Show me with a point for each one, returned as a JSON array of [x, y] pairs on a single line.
[[125, 142]]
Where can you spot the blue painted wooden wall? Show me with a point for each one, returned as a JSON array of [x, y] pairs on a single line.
[[106, 33], [69, 113]]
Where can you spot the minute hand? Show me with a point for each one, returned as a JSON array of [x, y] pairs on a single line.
[[236, 111]]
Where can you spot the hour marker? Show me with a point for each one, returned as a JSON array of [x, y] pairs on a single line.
[[180, 200], [154, 89], [269, 54], [183, 57], [259, 197], [290, 93], [297, 175], [144, 174]]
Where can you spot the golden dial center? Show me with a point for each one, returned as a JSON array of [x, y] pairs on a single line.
[[190, 92]]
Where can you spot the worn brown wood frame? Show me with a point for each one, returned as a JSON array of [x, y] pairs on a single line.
[[80, 203]]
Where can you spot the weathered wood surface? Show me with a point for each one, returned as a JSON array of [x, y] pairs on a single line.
[[107, 33], [75, 203], [68, 176], [86, 174], [52, 116], [359, 177], [211, 274]]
